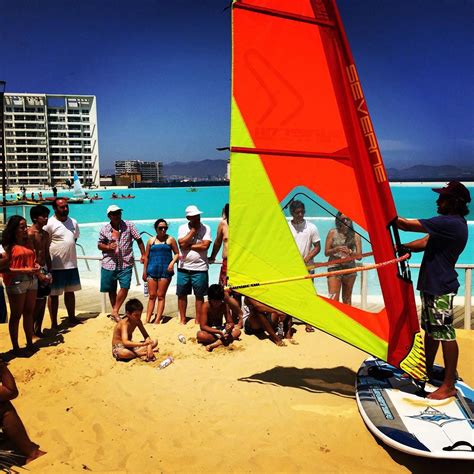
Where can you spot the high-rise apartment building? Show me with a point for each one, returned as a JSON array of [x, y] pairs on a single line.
[[151, 171], [47, 136]]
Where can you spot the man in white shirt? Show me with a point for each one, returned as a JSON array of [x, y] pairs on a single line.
[[306, 236], [194, 240], [63, 232]]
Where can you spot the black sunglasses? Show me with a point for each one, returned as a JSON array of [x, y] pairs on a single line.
[[162, 228]]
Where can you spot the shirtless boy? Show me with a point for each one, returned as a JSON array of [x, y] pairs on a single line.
[[265, 319], [219, 306], [40, 240], [123, 348]]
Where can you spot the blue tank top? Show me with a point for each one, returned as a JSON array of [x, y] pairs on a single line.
[[159, 257]]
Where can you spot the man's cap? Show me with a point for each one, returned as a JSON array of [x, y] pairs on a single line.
[[113, 208], [192, 211], [455, 189]]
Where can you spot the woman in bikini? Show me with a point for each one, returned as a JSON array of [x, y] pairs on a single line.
[[21, 279], [160, 256], [342, 242]]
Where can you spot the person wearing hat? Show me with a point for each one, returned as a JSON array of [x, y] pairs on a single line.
[[437, 282], [116, 243], [194, 239]]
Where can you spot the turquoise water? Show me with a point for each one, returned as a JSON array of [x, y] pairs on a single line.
[[169, 203]]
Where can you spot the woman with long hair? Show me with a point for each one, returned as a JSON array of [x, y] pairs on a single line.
[[161, 254], [20, 279], [342, 242]]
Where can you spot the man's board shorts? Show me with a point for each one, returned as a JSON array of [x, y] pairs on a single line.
[[43, 289], [437, 316], [65, 281], [197, 281], [109, 279], [20, 284]]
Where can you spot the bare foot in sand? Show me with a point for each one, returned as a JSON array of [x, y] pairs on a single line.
[[35, 455], [114, 317], [442, 393], [292, 341], [280, 343]]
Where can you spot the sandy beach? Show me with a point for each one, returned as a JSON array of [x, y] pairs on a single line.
[[252, 407]]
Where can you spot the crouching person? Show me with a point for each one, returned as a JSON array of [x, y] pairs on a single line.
[[123, 348], [217, 319]]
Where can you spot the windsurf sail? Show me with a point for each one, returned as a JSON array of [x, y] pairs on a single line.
[[78, 191], [299, 119]]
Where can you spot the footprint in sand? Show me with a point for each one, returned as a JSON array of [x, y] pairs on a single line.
[[99, 432]]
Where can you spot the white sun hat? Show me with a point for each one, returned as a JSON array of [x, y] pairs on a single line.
[[192, 211]]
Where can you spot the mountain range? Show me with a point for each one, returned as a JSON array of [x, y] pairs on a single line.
[[217, 169]]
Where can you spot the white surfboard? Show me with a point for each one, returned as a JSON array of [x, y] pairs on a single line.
[[396, 410]]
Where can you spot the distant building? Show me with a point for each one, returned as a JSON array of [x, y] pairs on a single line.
[[47, 136], [126, 179], [151, 171], [127, 166]]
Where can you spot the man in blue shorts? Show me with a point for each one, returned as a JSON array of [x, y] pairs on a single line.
[[194, 239], [437, 282], [116, 242]]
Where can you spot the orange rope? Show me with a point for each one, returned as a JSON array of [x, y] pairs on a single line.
[[320, 275]]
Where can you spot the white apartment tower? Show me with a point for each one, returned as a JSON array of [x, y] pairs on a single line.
[[151, 171], [47, 136]]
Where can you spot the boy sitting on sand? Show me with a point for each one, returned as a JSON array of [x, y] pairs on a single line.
[[123, 348], [219, 306], [261, 319]]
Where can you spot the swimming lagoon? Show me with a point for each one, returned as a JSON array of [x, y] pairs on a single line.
[[150, 204]]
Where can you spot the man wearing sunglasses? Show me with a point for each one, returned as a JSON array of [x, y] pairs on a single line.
[[194, 239], [116, 243]]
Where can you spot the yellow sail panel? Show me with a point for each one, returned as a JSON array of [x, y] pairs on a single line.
[[258, 234]]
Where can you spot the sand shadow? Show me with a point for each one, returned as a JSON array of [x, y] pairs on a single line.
[[338, 380], [166, 319], [87, 315]]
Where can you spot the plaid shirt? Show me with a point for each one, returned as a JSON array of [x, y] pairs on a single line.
[[122, 256]]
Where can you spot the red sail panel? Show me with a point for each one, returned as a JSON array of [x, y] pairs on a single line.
[[298, 91]]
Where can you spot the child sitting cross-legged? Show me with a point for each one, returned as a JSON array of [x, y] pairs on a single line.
[[123, 348], [219, 306]]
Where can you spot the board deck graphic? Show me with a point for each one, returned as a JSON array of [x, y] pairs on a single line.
[[396, 410]]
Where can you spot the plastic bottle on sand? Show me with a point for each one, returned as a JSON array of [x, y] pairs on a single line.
[[280, 330], [169, 360]]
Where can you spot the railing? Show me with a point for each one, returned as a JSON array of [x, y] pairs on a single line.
[[363, 285], [467, 290]]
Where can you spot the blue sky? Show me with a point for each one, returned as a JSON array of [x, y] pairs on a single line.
[[161, 72]]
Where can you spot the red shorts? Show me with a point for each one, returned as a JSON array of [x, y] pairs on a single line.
[[223, 273]]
